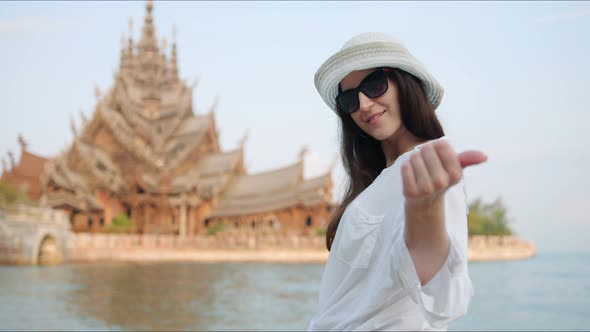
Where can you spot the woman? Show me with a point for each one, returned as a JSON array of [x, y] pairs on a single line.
[[398, 241]]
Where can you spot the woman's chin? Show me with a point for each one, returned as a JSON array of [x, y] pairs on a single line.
[[384, 132], [379, 135]]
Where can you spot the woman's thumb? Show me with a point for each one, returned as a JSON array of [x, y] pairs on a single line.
[[471, 157]]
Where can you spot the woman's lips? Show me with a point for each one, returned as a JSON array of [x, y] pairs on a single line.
[[375, 117]]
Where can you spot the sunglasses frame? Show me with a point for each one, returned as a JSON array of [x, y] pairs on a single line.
[[360, 88]]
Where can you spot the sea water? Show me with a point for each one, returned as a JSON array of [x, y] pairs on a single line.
[[547, 292]]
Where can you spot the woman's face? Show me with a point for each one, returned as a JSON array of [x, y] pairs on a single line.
[[379, 117]]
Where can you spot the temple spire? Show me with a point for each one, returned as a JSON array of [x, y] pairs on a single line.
[[11, 158], [83, 117], [163, 59], [174, 56], [123, 60], [148, 42], [304, 151], [73, 127], [21, 141], [130, 40]]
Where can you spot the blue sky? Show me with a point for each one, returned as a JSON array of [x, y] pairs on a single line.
[[515, 75]]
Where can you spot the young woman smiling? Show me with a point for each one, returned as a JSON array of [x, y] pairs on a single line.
[[398, 240]]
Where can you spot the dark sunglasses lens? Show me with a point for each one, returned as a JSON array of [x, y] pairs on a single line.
[[348, 101], [375, 84]]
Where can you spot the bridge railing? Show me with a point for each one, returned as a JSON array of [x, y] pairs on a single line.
[[35, 215]]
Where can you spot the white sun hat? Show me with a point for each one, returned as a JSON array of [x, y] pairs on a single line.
[[371, 50]]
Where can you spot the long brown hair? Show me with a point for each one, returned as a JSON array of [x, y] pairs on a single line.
[[363, 156]]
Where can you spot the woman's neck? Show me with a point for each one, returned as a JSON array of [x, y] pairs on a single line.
[[400, 142]]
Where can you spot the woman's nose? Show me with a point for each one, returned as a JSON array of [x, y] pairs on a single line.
[[365, 102]]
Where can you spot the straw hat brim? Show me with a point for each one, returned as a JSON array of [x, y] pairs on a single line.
[[372, 55]]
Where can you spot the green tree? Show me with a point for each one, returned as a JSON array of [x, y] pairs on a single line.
[[320, 231], [488, 218], [11, 196], [121, 224], [215, 228]]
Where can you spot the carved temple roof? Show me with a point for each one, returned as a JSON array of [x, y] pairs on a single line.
[[145, 132], [274, 196], [76, 193], [275, 181], [82, 202], [59, 172], [101, 166], [219, 163]]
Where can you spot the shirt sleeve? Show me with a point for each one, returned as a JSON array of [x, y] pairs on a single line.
[[447, 295]]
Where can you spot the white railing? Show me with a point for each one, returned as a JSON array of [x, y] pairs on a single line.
[[78, 241], [36, 215]]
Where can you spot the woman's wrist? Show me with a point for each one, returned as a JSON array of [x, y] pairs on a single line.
[[425, 205], [425, 223]]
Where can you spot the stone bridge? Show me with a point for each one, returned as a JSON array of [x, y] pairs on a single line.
[[33, 235]]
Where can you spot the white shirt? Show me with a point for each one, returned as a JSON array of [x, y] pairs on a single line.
[[370, 282]]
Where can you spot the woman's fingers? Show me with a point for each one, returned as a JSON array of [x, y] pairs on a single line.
[[409, 180], [438, 174], [423, 179], [449, 161]]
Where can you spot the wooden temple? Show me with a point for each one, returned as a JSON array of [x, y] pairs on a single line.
[[146, 153]]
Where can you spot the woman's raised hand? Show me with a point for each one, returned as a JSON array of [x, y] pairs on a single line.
[[434, 169]]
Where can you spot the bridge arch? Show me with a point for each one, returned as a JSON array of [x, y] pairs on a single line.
[[47, 248]]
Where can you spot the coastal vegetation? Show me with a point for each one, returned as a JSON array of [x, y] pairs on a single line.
[[121, 224], [215, 228], [10, 196], [320, 231], [488, 218]]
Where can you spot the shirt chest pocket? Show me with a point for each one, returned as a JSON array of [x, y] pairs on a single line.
[[359, 238]]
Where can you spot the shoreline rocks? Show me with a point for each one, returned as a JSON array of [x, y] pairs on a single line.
[[499, 248]]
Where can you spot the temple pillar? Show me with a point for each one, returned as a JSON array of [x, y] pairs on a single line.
[[137, 216], [108, 216], [148, 217], [191, 220], [182, 222], [200, 213]]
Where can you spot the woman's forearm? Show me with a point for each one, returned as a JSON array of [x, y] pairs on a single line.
[[426, 237]]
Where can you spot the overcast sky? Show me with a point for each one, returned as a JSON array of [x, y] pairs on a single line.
[[516, 79]]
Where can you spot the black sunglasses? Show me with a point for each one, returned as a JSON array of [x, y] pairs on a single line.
[[372, 86]]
